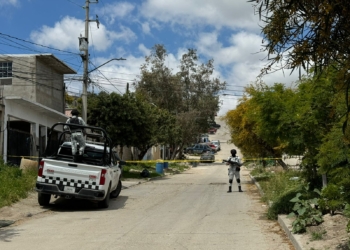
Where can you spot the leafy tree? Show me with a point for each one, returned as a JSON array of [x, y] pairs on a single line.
[[259, 118], [305, 120], [69, 99], [129, 120], [242, 131], [302, 32], [191, 94]]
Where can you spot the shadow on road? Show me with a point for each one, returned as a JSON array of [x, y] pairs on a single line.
[[74, 205], [6, 234]]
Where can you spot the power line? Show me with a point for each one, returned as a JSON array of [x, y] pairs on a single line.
[[16, 38], [37, 83], [75, 3], [106, 78]]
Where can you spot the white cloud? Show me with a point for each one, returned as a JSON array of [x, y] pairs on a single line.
[[237, 14], [64, 35], [242, 47], [125, 34], [115, 10], [9, 2], [239, 63], [146, 28], [144, 50]]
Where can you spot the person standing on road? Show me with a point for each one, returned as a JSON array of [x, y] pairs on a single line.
[[77, 134], [233, 171]]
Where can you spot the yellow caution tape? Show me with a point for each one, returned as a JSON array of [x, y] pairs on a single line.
[[162, 161]]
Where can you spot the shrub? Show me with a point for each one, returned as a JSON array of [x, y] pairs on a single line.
[[331, 198], [305, 212], [282, 204], [279, 188]]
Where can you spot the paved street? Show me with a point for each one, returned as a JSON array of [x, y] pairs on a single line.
[[191, 210]]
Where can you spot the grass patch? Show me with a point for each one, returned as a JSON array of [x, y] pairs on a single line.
[[258, 171], [278, 183], [279, 188], [15, 184], [317, 234]]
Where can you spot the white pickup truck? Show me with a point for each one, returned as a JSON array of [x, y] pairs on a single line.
[[95, 177]]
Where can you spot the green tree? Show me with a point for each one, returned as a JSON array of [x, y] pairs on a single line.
[[191, 94], [305, 120], [305, 32], [262, 121], [69, 99], [129, 120], [242, 132]]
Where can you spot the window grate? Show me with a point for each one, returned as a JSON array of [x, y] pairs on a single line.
[[5, 69]]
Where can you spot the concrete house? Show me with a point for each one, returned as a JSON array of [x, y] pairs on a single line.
[[32, 99]]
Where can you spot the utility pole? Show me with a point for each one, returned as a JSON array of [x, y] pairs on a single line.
[[84, 46]]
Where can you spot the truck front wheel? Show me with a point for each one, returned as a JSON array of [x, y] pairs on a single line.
[[44, 199]]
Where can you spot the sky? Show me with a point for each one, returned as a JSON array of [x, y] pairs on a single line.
[[226, 31]]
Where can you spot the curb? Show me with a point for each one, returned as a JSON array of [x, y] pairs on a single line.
[[282, 220], [257, 184], [293, 238]]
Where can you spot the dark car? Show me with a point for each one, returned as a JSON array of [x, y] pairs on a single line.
[[212, 131], [214, 124], [199, 148]]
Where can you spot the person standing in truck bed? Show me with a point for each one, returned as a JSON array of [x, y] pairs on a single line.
[[77, 135]]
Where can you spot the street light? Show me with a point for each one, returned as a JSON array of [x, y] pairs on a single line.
[[117, 59], [85, 84]]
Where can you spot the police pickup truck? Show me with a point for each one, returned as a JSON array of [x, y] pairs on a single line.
[[96, 176]]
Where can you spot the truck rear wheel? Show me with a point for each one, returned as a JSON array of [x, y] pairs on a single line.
[[44, 199], [105, 202], [116, 192]]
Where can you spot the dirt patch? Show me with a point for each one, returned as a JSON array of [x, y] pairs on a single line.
[[23, 209], [331, 234]]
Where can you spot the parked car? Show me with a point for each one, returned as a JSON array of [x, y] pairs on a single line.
[[212, 145], [199, 148], [217, 144], [207, 157], [214, 124], [203, 138], [212, 130]]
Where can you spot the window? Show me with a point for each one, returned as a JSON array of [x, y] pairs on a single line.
[[5, 69]]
